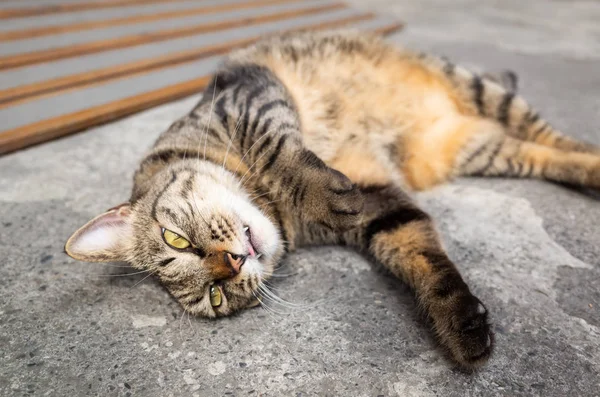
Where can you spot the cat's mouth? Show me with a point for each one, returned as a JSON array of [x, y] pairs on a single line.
[[253, 243]]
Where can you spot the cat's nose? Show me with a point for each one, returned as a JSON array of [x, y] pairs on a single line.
[[235, 261]]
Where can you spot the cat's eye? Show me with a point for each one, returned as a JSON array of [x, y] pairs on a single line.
[[216, 297], [175, 240]]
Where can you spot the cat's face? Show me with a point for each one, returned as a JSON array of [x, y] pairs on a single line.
[[197, 231]]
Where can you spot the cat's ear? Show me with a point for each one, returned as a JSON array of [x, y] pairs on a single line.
[[103, 239]]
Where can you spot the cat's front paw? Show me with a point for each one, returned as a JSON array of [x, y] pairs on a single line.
[[344, 202], [330, 198], [466, 332]]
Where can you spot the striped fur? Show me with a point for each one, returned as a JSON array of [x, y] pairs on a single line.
[[315, 138]]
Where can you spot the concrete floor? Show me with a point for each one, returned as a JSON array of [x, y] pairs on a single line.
[[530, 250]]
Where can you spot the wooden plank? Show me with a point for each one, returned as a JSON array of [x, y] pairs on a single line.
[[71, 123], [70, 66], [20, 47], [57, 127], [14, 61], [89, 25], [60, 8], [13, 96], [73, 99]]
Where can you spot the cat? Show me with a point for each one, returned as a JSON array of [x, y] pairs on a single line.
[[319, 138]]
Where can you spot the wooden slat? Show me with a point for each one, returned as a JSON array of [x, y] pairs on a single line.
[[71, 123], [13, 96], [61, 8], [14, 61], [105, 23], [45, 130], [70, 66]]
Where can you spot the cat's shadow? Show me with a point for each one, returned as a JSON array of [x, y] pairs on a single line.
[[586, 191]]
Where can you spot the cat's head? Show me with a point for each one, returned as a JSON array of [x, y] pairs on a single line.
[[197, 230]]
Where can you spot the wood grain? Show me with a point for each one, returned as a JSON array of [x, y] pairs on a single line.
[[57, 127], [13, 61], [17, 95], [105, 23]]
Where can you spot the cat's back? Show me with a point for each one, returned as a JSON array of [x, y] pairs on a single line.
[[347, 82], [331, 62]]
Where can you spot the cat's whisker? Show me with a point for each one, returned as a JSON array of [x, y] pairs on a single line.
[[269, 307], [252, 195], [123, 275], [180, 322], [256, 170], [265, 307], [291, 305], [278, 289], [231, 138], [250, 148], [253, 164], [115, 266], [210, 115], [189, 315], [253, 198], [143, 279], [251, 192], [271, 286], [275, 274], [269, 202], [205, 134], [280, 301]]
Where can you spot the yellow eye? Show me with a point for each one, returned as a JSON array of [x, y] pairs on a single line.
[[215, 296], [175, 240]]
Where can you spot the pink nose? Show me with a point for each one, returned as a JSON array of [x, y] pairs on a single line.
[[234, 261]]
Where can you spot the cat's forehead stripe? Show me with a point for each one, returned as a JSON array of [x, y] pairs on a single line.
[[155, 203]]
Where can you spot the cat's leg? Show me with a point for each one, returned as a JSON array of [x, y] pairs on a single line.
[[486, 98], [403, 238], [503, 155], [534, 129], [262, 124], [473, 146]]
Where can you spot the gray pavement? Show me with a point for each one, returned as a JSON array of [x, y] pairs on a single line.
[[530, 250]]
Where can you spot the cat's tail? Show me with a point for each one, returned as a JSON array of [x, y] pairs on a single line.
[[493, 99]]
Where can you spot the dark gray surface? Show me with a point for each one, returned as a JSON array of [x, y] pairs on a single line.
[[528, 249]]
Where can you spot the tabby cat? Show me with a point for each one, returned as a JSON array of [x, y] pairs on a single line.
[[316, 138]]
